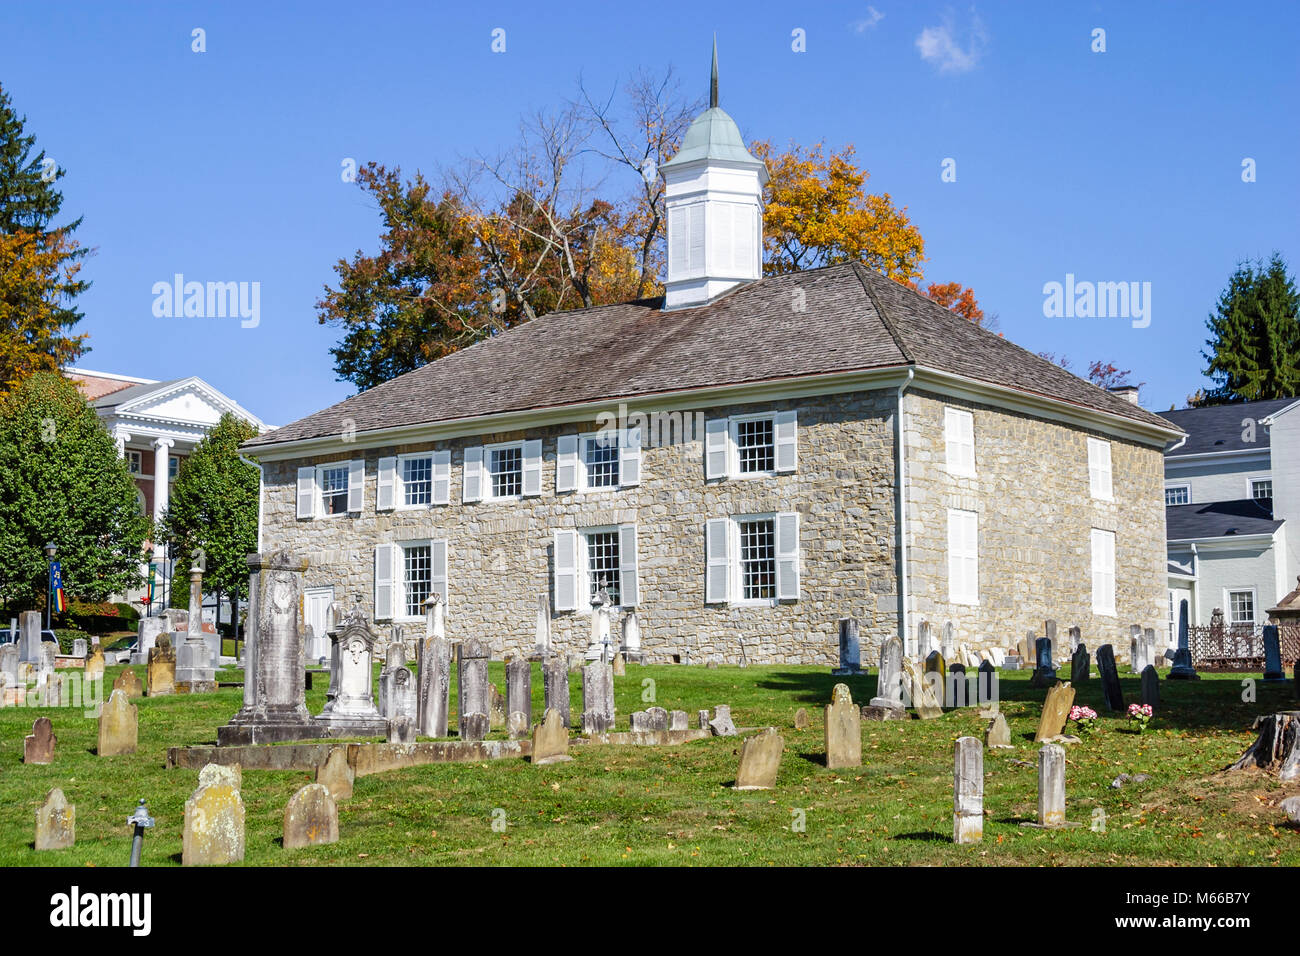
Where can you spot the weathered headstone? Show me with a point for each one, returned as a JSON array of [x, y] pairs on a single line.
[[948, 642], [311, 818], [1149, 649], [1182, 665], [161, 668], [336, 774], [401, 729], [721, 725], [434, 686], [9, 662], [997, 735], [1080, 666], [702, 719], [196, 661], [118, 726], [956, 689], [1045, 671], [923, 691], [519, 691], [496, 707], [129, 683], [95, 664], [801, 721], [850, 649], [56, 822], [924, 640], [475, 703], [889, 682], [550, 739], [1107, 673], [597, 698], [1272, 655], [619, 665], [967, 791], [843, 730], [677, 720], [630, 650], [1137, 649], [38, 746], [214, 827], [80, 648], [1049, 632], [1076, 635], [1051, 785], [353, 710], [935, 664], [229, 774], [1150, 686], [1056, 711], [986, 685], [760, 759], [29, 638], [542, 640], [555, 687]]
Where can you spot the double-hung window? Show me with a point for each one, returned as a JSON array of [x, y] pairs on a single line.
[[752, 559], [406, 573], [1178, 495], [1261, 488], [1241, 606], [1099, 473], [505, 467], [588, 560], [336, 488], [418, 480], [745, 446], [134, 463], [506, 471], [605, 460]]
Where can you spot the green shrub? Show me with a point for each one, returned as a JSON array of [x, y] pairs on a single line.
[[67, 635]]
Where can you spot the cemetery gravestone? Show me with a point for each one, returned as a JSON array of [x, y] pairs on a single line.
[[850, 649], [760, 759], [38, 746], [95, 664], [229, 774], [801, 721], [956, 692], [720, 725], [924, 693], [336, 774], [597, 698], [475, 700], [129, 683], [519, 691], [214, 827], [550, 739], [555, 687], [496, 707], [311, 818], [1272, 655], [843, 730], [353, 710], [1109, 676], [56, 822], [1056, 711], [1051, 786], [401, 729], [1182, 665], [1080, 666], [889, 682], [118, 726], [1150, 686], [434, 703], [997, 735], [967, 791], [160, 671]]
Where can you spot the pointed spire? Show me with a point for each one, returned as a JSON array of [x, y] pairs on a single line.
[[713, 78]]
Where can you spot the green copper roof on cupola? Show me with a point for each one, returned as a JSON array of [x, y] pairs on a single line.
[[713, 135]]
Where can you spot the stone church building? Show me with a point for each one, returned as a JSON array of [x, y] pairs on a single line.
[[743, 461]]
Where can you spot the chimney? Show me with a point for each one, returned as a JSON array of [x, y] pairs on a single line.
[[1127, 392]]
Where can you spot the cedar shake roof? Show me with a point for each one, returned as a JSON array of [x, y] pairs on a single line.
[[854, 320], [1219, 428]]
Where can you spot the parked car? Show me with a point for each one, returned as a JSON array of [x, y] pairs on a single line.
[[8, 636]]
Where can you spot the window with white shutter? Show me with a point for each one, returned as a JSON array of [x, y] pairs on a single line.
[[566, 463], [959, 437], [442, 477], [629, 586], [356, 485], [717, 556], [532, 455], [786, 427], [565, 561], [751, 445], [963, 557], [1103, 572], [1099, 473], [715, 448], [473, 475], [787, 556], [307, 492], [386, 486], [630, 457], [438, 569]]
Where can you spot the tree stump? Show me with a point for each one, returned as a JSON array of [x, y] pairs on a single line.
[[1276, 744]]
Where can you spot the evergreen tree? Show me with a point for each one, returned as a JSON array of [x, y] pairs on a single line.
[[213, 507], [61, 480], [39, 262], [1255, 348]]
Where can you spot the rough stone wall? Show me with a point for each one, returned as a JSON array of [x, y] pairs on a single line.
[[500, 552], [1031, 493]]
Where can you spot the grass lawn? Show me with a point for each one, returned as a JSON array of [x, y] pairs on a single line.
[[672, 805]]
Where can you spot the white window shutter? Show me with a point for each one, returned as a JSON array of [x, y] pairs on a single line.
[[442, 477], [387, 490], [629, 469], [306, 492], [438, 571], [627, 579], [715, 448], [566, 570], [696, 234], [533, 468], [356, 484], [566, 463], [473, 490], [785, 429], [787, 556], [717, 555], [385, 558], [1107, 491]]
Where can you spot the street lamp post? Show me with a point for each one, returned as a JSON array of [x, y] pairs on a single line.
[[50, 551]]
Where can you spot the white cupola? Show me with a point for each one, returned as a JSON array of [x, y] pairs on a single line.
[[713, 193]]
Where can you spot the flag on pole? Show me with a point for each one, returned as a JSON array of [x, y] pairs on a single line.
[[60, 599], [153, 570]]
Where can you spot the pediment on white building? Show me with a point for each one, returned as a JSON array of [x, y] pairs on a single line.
[[189, 402]]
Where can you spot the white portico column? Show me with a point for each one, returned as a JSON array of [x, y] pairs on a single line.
[[121, 437], [161, 453]]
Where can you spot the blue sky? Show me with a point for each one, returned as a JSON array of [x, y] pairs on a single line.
[[225, 165]]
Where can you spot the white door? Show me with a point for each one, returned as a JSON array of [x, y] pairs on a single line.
[[318, 601]]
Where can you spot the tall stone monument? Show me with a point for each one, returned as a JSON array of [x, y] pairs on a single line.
[[352, 712], [1183, 669], [195, 666]]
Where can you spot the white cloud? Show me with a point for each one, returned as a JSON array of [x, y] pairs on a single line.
[[873, 17], [943, 47]]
